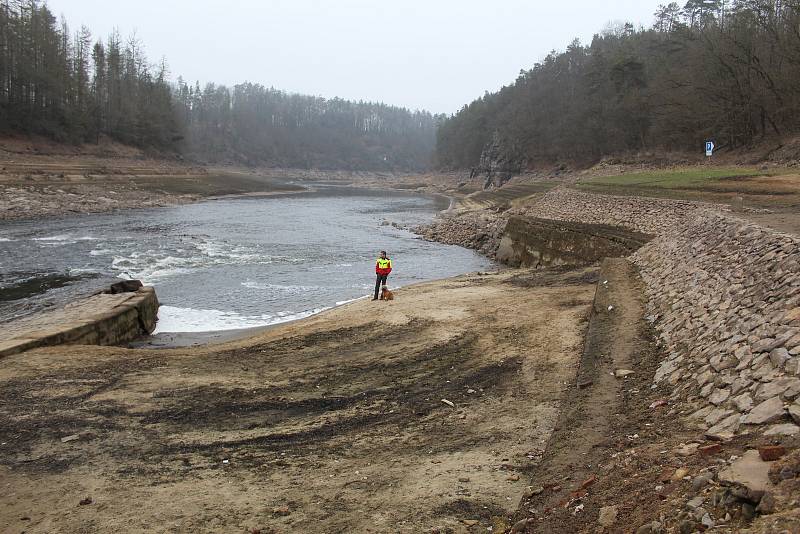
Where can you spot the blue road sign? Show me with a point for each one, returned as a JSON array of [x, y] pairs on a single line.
[[709, 148]]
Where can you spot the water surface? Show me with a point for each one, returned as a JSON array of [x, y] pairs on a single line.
[[231, 263]]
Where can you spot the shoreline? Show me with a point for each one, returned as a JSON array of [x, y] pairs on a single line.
[[356, 388]]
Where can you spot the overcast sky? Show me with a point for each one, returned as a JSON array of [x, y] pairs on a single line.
[[421, 54]]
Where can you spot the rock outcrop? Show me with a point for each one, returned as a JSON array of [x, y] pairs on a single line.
[[500, 161]]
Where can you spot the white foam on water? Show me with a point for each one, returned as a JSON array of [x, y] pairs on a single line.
[[154, 265], [278, 287], [101, 252], [5, 240], [173, 319], [62, 237], [75, 271], [150, 270]]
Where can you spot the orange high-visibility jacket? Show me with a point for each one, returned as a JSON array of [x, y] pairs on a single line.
[[383, 266]]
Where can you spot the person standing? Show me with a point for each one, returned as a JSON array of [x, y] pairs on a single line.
[[383, 266]]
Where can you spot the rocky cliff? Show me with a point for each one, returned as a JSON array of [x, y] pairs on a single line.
[[500, 160]]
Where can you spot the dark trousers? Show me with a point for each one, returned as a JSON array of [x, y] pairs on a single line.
[[381, 280]]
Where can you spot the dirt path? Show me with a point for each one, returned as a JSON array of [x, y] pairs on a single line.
[[333, 424], [602, 412]]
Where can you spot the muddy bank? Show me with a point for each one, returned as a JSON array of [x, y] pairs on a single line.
[[427, 412], [54, 193]]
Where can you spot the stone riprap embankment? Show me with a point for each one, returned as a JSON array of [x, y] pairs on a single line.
[[724, 295]]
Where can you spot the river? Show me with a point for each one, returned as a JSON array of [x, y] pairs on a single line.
[[233, 263]]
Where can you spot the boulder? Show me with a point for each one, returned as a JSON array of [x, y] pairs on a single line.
[[749, 472], [607, 516], [768, 411]]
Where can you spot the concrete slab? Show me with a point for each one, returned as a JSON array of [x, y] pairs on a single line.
[[102, 319]]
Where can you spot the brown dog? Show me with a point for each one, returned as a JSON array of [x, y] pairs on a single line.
[[386, 294]]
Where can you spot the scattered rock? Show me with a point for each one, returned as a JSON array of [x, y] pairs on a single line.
[[767, 504], [743, 402], [770, 453], [651, 528], [531, 491], [521, 525], [708, 450], [702, 480], [719, 396], [588, 482], [622, 373], [687, 450], [696, 503], [449, 403], [281, 510], [723, 431], [608, 516], [749, 472], [85, 501], [73, 437], [679, 474]]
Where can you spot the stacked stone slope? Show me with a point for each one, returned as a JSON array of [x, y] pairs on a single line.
[[724, 295]]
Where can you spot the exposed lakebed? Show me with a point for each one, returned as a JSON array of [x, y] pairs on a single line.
[[230, 263]]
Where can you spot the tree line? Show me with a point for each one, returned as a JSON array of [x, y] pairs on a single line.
[[72, 88], [728, 71], [253, 124]]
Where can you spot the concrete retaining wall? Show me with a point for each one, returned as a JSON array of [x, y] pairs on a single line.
[[534, 242], [103, 319]]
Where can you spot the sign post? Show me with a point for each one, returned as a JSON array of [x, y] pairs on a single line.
[[709, 148]]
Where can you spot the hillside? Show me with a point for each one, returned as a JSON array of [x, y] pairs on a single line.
[[721, 71], [75, 89]]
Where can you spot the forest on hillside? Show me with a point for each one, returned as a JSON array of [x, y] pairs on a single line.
[[728, 71], [74, 88]]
